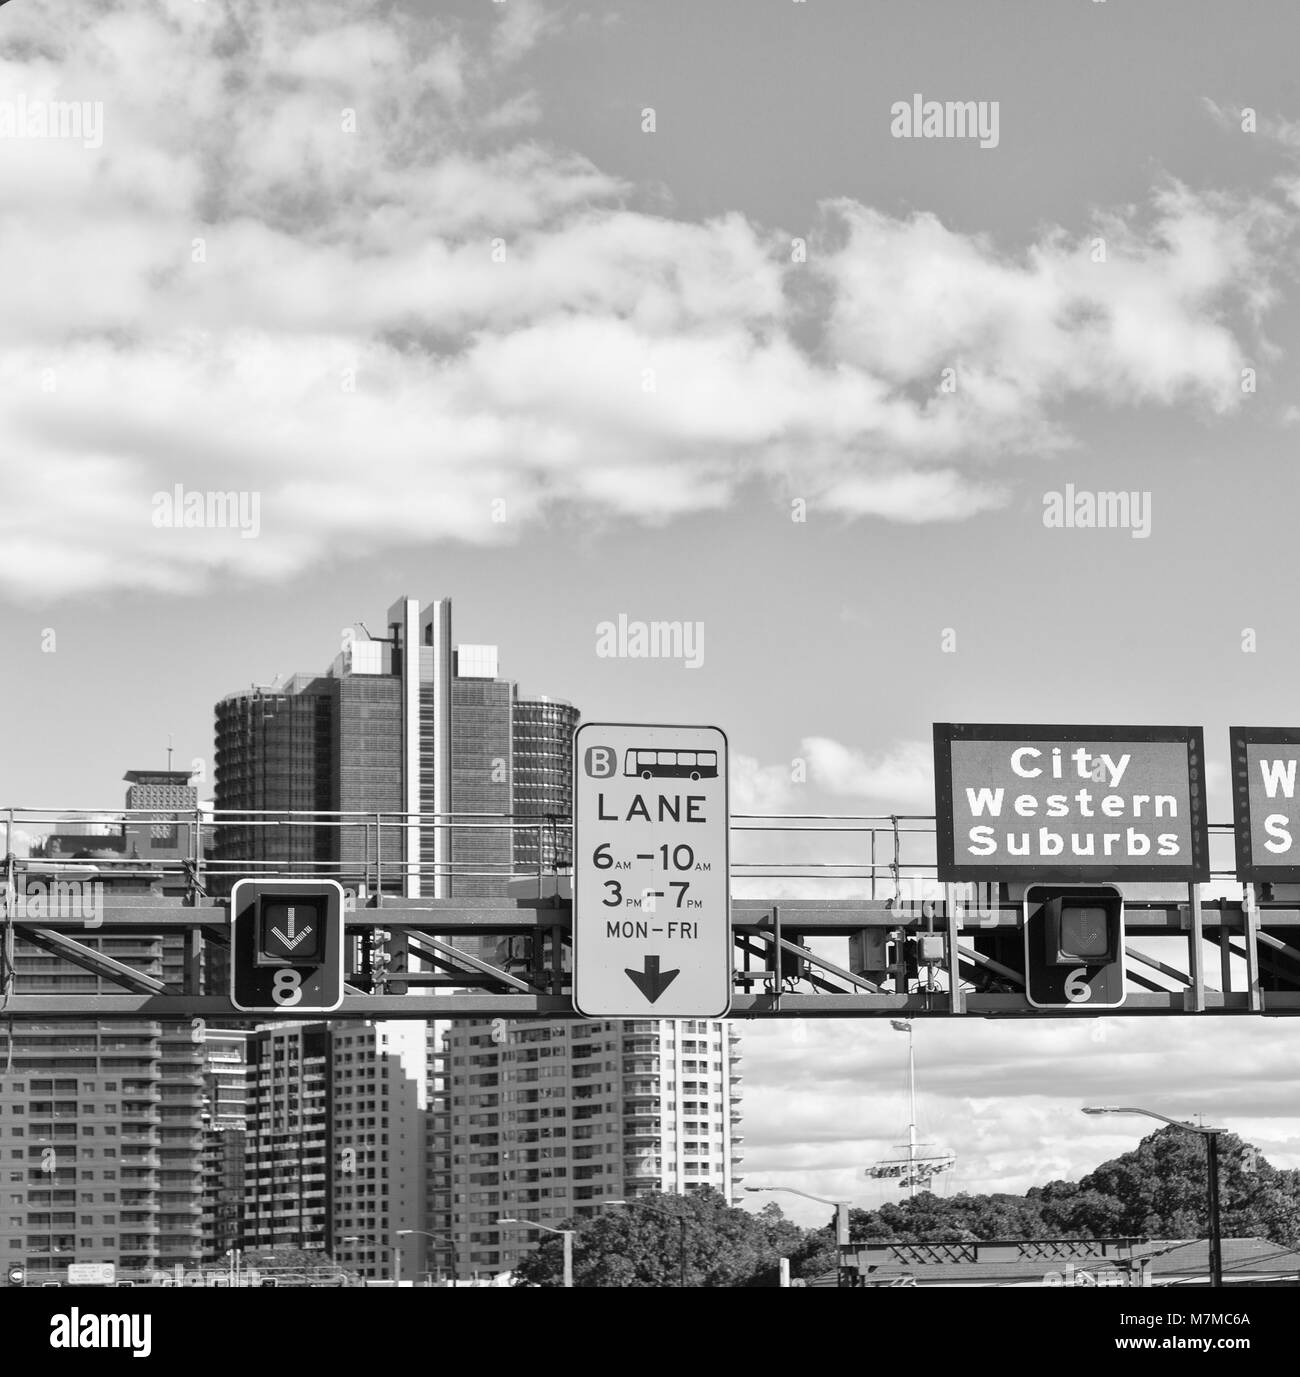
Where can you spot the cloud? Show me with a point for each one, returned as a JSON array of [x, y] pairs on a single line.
[[522, 24], [324, 256], [902, 778], [1005, 1097]]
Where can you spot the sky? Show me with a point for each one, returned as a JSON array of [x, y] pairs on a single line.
[[571, 311]]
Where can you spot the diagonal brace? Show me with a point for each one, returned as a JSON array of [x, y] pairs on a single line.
[[58, 944], [428, 946]]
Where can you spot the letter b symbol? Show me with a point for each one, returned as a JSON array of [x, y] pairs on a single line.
[[600, 761]]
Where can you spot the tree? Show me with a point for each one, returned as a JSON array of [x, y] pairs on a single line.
[[288, 1260], [1156, 1191], [650, 1241], [929, 1218], [1159, 1191]]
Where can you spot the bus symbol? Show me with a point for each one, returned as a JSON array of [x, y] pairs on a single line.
[[671, 764]]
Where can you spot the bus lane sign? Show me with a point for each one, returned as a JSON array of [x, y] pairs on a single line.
[[651, 891]]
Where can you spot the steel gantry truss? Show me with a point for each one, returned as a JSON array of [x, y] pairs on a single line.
[[781, 969], [417, 957]]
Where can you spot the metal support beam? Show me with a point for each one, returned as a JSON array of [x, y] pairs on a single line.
[[759, 929], [357, 1005], [1250, 918], [953, 916], [1225, 952], [1196, 951]]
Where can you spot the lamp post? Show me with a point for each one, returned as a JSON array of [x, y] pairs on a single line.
[[1211, 1136], [566, 1234], [841, 1209], [841, 1216], [357, 1238], [667, 1214], [437, 1238]]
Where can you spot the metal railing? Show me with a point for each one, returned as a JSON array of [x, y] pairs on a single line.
[[844, 855]]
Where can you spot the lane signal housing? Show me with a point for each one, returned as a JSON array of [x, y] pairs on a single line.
[[286, 946], [1074, 946]]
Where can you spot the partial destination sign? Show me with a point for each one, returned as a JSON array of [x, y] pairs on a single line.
[[1265, 804], [1070, 803], [92, 1273], [651, 893]]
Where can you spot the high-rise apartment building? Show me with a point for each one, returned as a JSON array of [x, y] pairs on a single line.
[[225, 1095], [379, 1128], [542, 1120], [101, 1121], [100, 1125], [287, 1161], [335, 1151]]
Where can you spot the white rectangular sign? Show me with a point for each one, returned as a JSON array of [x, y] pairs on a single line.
[[91, 1273], [652, 884]]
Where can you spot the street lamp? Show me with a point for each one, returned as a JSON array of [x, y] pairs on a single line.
[[371, 1239], [667, 1214], [437, 1238], [841, 1209], [841, 1217], [566, 1234], [1211, 1136]]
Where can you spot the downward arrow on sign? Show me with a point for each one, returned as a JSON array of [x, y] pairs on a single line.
[[290, 941], [649, 981]]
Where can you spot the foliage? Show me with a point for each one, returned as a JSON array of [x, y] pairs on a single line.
[[657, 1240], [1159, 1191], [1156, 1191], [278, 1261]]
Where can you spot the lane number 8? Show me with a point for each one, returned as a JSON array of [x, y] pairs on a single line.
[[287, 987]]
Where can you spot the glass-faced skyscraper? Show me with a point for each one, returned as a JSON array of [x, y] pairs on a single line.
[[407, 727]]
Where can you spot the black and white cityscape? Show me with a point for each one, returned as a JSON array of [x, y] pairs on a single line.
[[649, 645]]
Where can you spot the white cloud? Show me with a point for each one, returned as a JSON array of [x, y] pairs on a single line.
[[521, 25], [902, 778], [316, 237]]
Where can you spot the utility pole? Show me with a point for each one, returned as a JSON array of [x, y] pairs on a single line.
[[911, 1127], [1212, 1202]]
